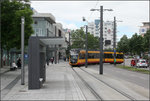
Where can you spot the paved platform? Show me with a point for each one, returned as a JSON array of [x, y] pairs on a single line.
[[62, 83], [4, 69], [59, 85]]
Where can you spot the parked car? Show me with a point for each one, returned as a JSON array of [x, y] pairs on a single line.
[[142, 63]]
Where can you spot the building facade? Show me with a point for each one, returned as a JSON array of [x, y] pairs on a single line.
[[108, 26], [44, 25], [59, 32], [91, 28], [143, 29]]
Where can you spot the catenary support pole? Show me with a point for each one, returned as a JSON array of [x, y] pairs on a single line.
[[114, 39], [69, 41], [55, 53], [22, 51], [101, 40], [86, 55]]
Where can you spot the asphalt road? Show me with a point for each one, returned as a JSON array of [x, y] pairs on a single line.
[[122, 74]]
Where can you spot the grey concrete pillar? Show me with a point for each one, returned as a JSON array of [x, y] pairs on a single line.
[[55, 57]]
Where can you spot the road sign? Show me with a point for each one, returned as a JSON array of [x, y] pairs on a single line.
[[26, 56], [114, 49]]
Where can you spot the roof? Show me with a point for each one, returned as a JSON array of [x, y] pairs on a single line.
[[146, 22], [58, 25], [48, 16]]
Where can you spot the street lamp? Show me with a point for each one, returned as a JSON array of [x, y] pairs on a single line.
[[114, 45], [101, 36], [22, 46], [69, 40], [86, 55], [100, 10]]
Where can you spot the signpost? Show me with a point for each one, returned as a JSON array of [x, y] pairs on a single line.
[[114, 56]]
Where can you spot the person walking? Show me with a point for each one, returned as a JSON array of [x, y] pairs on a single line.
[[13, 66], [64, 58], [52, 60], [19, 63]]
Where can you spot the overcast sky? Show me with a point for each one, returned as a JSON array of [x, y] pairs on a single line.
[[70, 13]]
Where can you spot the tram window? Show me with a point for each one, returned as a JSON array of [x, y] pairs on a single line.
[[82, 56], [96, 55], [90, 55], [119, 56], [93, 55], [108, 56]]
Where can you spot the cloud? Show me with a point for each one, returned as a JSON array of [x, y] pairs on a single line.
[[70, 13], [69, 26], [65, 10]]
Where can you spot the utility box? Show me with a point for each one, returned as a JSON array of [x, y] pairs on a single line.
[[37, 63]]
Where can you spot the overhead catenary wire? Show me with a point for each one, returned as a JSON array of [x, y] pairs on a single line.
[[92, 12]]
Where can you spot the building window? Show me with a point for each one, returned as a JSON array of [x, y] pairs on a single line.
[[107, 42], [59, 45], [38, 32], [109, 31], [59, 33], [47, 32], [35, 22]]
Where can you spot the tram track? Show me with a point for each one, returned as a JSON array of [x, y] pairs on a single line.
[[119, 91], [97, 96]]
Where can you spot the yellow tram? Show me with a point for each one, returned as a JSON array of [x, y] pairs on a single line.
[[77, 57]]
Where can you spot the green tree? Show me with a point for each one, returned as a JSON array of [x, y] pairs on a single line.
[[78, 38], [147, 41], [11, 23], [93, 42], [123, 44], [11, 13], [108, 49], [136, 44]]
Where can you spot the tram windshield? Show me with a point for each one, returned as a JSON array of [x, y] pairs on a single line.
[[74, 56]]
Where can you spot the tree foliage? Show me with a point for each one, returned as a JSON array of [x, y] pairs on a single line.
[[11, 13], [123, 44], [147, 41], [79, 39], [136, 44], [93, 42]]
